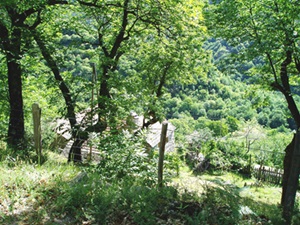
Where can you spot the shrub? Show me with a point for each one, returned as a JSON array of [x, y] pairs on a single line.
[[124, 157], [220, 206]]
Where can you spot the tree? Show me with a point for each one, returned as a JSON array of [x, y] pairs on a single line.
[[115, 30], [269, 30], [18, 17], [171, 58], [47, 36], [121, 26]]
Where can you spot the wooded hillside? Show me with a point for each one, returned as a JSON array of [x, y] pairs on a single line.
[[224, 73]]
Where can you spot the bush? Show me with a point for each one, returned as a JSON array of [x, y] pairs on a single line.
[[124, 157], [144, 205], [99, 202], [220, 206], [217, 158], [217, 155]]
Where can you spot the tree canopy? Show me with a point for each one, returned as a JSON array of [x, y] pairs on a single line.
[[269, 30]]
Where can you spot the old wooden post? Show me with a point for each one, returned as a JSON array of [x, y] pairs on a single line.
[[163, 139], [94, 79], [36, 114]]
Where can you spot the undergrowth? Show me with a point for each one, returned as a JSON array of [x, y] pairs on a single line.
[[60, 193]]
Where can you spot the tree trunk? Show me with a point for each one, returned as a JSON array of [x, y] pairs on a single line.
[[292, 182], [292, 157], [66, 93], [287, 167], [75, 151], [16, 130], [104, 93]]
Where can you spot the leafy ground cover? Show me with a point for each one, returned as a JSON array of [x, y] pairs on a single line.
[[60, 193]]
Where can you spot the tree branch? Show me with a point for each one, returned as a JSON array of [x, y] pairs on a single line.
[[94, 4], [104, 49], [120, 36], [163, 79], [272, 67], [57, 2], [62, 85], [297, 63], [37, 21], [284, 73]]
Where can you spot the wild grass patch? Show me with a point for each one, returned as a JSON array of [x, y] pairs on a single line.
[[61, 193]]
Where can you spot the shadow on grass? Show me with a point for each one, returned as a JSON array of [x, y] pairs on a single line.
[[223, 192], [38, 209], [36, 218], [90, 200]]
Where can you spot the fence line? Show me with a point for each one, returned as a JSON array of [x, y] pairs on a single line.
[[268, 174]]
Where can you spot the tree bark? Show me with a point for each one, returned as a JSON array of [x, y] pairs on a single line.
[[292, 157], [16, 130], [292, 182], [75, 151], [287, 167], [104, 93]]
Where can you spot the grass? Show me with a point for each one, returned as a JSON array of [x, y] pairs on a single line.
[[28, 188], [261, 198], [61, 193]]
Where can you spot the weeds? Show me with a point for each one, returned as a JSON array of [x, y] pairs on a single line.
[[52, 194]]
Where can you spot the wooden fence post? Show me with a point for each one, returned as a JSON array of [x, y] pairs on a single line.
[[36, 114], [94, 80], [163, 138]]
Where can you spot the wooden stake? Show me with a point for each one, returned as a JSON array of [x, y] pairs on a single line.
[[94, 76], [36, 114]]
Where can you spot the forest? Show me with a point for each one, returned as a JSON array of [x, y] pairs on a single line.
[[108, 75]]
